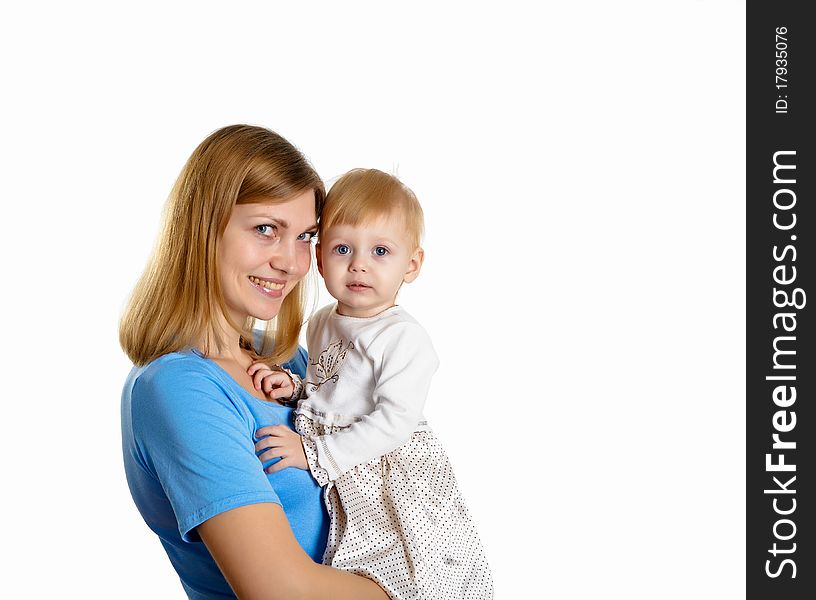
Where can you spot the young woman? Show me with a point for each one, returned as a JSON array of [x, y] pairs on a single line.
[[234, 249]]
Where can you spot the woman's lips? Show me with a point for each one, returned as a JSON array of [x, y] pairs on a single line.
[[269, 287]]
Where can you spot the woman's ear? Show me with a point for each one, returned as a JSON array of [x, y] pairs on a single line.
[[414, 265]]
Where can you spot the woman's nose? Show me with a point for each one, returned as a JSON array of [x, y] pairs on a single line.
[[284, 257]]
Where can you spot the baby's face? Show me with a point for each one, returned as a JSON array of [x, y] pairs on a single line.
[[364, 266]]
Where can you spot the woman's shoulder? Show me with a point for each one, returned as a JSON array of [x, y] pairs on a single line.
[[171, 368], [180, 388], [171, 378]]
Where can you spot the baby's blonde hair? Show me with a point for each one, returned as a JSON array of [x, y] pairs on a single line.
[[364, 195]]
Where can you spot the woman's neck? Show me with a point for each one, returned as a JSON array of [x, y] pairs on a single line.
[[235, 361], [229, 348]]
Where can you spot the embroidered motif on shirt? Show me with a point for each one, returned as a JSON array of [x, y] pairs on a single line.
[[328, 364]]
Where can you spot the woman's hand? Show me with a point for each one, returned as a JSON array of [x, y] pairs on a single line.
[[277, 385], [279, 441]]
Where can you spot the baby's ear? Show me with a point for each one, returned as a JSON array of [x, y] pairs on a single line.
[[414, 265], [319, 259]]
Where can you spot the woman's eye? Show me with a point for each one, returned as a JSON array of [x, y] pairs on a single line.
[[380, 250], [307, 236], [342, 249], [266, 230]]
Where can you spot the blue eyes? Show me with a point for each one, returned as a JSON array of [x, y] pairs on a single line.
[[266, 230], [345, 250], [271, 232]]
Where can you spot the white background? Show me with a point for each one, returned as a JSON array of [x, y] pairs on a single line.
[[581, 165]]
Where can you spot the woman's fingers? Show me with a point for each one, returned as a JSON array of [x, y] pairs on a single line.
[[276, 449], [271, 454], [278, 441], [268, 442], [281, 464], [272, 436], [273, 430]]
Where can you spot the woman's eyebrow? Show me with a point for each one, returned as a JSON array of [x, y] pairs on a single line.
[[282, 223], [285, 224]]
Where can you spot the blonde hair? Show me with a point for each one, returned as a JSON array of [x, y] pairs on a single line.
[[364, 195], [178, 300]]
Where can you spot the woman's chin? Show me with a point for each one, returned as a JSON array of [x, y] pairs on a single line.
[[267, 310], [264, 315]]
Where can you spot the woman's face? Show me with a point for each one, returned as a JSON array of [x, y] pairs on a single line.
[[263, 253]]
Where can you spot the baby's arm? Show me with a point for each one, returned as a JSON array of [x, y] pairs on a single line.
[[405, 362], [276, 383], [278, 441]]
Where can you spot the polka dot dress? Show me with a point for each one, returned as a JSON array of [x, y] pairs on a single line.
[[401, 521]]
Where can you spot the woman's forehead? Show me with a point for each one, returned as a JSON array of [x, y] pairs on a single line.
[[295, 211]]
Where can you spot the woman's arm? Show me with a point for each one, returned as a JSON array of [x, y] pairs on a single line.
[[256, 551], [190, 435]]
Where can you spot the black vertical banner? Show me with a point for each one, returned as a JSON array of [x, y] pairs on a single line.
[[781, 299]]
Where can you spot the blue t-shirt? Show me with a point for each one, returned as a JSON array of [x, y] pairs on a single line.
[[188, 434]]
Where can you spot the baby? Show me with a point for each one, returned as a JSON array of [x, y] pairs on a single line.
[[397, 515]]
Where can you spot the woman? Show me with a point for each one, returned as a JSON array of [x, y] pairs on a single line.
[[235, 246]]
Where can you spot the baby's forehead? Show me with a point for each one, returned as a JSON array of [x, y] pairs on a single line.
[[387, 221], [386, 226]]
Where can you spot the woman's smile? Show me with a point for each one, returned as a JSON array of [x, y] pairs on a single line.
[[268, 287]]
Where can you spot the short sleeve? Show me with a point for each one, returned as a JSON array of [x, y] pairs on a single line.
[[197, 440]]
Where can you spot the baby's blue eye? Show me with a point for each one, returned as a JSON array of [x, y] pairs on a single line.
[[342, 249], [380, 250]]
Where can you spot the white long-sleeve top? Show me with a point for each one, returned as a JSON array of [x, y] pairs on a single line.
[[370, 374]]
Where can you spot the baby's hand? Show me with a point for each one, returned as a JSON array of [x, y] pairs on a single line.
[[282, 443], [275, 384]]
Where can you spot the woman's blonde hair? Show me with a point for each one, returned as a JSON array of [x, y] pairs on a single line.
[[364, 195], [178, 299]]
